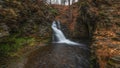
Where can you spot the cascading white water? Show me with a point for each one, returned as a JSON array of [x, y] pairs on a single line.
[[60, 2], [59, 27], [58, 36]]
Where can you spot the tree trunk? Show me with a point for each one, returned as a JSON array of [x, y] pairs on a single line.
[[50, 1], [70, 12], [73, 1]]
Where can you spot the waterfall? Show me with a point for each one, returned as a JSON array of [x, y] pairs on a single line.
[[59, 2], [58, 36]]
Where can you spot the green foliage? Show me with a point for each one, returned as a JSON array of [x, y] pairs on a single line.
[[12, 44]]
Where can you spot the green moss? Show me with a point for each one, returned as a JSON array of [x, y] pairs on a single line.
[[12, 44]]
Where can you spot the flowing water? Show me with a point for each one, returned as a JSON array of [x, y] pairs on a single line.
[[62, 53], [60, 2], [58, 36]]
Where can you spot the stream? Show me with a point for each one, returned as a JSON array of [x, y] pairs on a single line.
[[62, 53]]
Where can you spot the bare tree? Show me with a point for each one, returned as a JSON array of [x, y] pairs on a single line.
[[70, 10], [73, 1], [63, 2], [69, 3], [50, 2]]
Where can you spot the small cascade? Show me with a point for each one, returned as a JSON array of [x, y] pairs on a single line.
[[58, 24], [58, 36], [61, 2]]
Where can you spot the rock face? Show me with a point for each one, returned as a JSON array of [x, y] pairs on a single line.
[[27, 18], [70, 19], [106, 43], [87, 19], [21, 23], [99, 20]]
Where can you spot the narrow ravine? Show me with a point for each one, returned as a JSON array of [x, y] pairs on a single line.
[[63, 53], [84, 34]]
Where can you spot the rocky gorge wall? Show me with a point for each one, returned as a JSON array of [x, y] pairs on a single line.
[[23, 23], [106, 37], [24, 16], [97, 20], [101, 21]]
